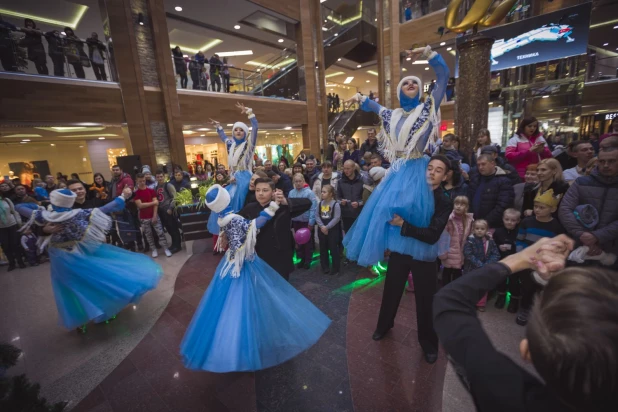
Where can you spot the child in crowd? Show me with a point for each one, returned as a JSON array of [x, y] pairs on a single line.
[[328, 219], [147, 204], [448, 147], [40, 193], [506, 237], [29, 244], [305, 220], [366, 161], [458, 227], [541, 224], [480, 250]]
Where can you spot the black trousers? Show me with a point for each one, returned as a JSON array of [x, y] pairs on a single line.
[[195, 78], [347, 223], [511, 284], [226, 83], [171, 225], [7, 57], [425, 286], [529, 288], [450, 274], [79, 70], [41, 66], [214, 79], [99, 71], [11, 244], [330, 244], [58, 60]]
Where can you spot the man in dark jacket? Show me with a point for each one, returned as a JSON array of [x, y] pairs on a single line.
[[282, 181], [275, 244], [216, 66], [510, 171], [490, 191], [350, 194], [55, 49], [371, 144], [600, 190], [425, 273], [311, 171]]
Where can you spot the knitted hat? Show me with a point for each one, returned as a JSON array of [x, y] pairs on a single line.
[[146, 169], [62, 199], [587, 215], [217, 198], [377, 173], [242, 126]]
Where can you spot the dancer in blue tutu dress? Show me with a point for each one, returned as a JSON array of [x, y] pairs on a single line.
[[240, 160], [250, 318], [402, 140], [92, 281]]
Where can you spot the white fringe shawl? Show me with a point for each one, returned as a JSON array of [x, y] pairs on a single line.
[[399, 148], [246, 251]]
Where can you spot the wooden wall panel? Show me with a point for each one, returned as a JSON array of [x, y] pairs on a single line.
[[23, 99], [423, 30], [200, 107], [288, 8]]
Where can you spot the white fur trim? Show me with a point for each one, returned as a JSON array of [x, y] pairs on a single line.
[[56, 217], [244, 252], [222, 221], [272, 209], [250, 114], [413, 78], [59, 199], [242, 126], [221, 201], [233, 157]]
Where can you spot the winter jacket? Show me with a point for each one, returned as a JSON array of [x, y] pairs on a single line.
[[368, 147], [125, 180], [519, 155], [95, 44], [519, 190], [559, 188], [350, 190], [443, 207], [454, 258], [34, 43], [284, 184], [504, 236], [602, 193], [510, 171], [355, 156], [461, 189], [311, 176], [490, 196], [305, 193], [475, 254], [317, 183], [216, 66], [55, 44]]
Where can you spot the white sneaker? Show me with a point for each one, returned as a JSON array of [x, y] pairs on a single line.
[[168, 253], [155, 254]]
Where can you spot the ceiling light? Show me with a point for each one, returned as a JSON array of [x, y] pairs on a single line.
[[545, 97], [605, 44], [230, 124], [140, 19], [101, 138], [408, 59], [280, 40], [235, 53], [237, 27], [615, 27], [491, 103], [426, 68], [287, 128], [203, 129], [359, 66], [78, 16], [63, 33], [339, 59], [373, 72], [421, 62], [188, 132], [404, 69], [443, 43], [334, 74], [348, 80], [178, 8], [336, 34], [550, 110], [324, 28], [23, 135], [449, 48], [202, 135], [25, 140], [367, 81], [53, 144]]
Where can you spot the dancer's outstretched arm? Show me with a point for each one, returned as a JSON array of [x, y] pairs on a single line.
[[442, 75], [266, 215], [220, 131], [117, 204]]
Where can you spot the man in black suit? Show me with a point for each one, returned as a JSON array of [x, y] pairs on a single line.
[[275, 244], [425, 273]]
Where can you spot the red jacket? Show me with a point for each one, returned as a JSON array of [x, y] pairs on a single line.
[[125, 180]]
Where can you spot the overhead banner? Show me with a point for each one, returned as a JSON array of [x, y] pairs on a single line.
[[552, 36]]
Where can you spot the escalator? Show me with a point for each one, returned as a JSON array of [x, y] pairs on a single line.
[[356, 42], [347, 122]]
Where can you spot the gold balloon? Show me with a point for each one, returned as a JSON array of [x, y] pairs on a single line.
[[484, 13]]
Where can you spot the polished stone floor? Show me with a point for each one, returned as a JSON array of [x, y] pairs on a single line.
[[133, 363]]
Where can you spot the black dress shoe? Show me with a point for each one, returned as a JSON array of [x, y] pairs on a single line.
[[377, 335], [431, 357]]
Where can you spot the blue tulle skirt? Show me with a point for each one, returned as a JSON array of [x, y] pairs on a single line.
[[95, 282], [252, 322], [404, 192], [238, 193]]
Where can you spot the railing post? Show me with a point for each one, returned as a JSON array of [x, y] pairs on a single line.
[[261, 84], [242, 76]]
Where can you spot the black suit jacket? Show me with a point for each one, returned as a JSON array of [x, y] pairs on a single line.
[[275, 244]]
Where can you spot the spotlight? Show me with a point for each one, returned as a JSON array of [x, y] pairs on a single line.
[[140, 19]]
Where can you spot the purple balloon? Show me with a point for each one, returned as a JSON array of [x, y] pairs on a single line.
[[302, 236]]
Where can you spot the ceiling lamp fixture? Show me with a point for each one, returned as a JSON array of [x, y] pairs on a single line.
[[339, 59], [443, 43], [449, 48], [348, 80], [178, 8], [236, 53], [287, 128], [25, 140], [359, 66], [546, 97], [367, 81], [280, 40], [334, 74], [140, 19], [237, 27], [605, 44], [101, 138]]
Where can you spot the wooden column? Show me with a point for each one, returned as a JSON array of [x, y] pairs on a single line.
[[381, 78], [308, 35], [395, 50], [167, 80], [122, 27], [389, 62]]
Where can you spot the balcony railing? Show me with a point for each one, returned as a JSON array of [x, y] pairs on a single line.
[[23, 51], [413, 9]]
